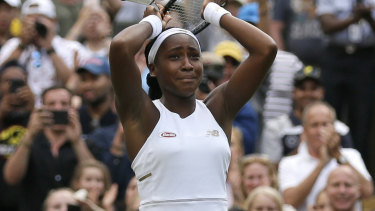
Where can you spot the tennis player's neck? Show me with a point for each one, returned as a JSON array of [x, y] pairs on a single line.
[[182, 107]]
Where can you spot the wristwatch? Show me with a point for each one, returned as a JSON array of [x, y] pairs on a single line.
[[342, 160]]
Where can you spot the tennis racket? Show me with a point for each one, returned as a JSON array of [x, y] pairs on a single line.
[[185, 14]]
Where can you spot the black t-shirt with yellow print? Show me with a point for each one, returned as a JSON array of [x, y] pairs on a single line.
[[10, 138]]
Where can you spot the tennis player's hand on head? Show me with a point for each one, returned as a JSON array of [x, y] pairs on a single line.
[[151, 10]]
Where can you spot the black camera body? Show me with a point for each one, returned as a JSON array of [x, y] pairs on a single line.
[[41, 29], [60, 117], [72, 207]]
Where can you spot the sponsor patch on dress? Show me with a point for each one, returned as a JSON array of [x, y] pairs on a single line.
[[168, 134]]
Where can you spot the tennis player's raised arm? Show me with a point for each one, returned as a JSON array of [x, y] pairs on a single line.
[[137, 113], [248, 76], [125, 73], [134, 107], [252, 70]]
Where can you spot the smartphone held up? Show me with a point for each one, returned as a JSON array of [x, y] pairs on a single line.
[[60, 117], [15, 84]]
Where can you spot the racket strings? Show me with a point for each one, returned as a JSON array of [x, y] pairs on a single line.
[[186, 14]]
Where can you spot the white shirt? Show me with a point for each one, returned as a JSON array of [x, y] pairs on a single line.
[[183, 164], [275, 129], [41, 71], [278, 100], [294, 169]]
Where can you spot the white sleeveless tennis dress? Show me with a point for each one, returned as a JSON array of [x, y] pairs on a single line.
[[183, 164]]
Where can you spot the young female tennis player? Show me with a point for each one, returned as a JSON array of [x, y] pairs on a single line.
[[179, 145]]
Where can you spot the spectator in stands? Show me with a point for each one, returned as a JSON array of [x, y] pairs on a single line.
[[132, 196], [264, 198], [295, 28], [49, 59], [213, 65], [110, 142], [95, 89], [303, 175], [294, 24], [349, 60], [99, 121], [247, 118], [59, 199], [8, 12], [274, 96], [256, 170], [93, 176], [281, 136], [67, 11], [249, 12], [234, 185], [50, 149], [233, 56], [93, 28], [16, 98], [322, 202], [343, 188], [16, 105]]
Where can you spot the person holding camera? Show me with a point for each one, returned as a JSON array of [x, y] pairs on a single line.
[[49, 58], [16, 104], [16, 98], [50, 149]]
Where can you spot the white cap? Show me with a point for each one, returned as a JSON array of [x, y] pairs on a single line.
[[42, 7], [13, 3]]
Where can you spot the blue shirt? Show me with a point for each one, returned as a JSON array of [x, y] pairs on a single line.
[[247, 121]]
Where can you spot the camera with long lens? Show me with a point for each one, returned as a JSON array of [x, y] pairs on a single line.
[[41, 29]]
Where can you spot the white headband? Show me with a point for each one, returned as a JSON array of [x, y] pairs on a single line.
[[164, 35]]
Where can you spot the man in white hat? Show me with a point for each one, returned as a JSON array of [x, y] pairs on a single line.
[[8, 11], [49, 59]]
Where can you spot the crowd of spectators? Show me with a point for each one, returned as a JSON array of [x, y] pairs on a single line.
[[303, 142]]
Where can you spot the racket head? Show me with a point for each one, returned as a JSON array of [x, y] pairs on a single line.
[[187, 14]]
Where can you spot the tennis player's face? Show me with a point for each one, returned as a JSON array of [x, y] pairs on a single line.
[[178, 65]]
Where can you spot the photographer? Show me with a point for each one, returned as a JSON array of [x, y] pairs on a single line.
[[16, 98], [50, 149], [16, 104], [49, 59]]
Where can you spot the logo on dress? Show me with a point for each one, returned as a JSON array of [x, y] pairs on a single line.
[[168, 135], [212, 133]]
